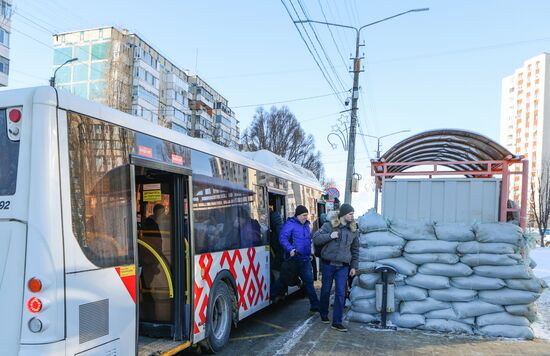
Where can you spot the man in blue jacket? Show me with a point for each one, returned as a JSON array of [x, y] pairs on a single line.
[[295, 238]]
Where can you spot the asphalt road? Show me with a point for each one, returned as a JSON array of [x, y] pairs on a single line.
[[270, 330]]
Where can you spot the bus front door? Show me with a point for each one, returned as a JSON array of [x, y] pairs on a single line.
[[163, 260]]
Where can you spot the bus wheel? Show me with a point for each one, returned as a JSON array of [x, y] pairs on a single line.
[[218, 322]]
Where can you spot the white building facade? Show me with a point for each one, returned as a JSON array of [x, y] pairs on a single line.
[[5, 33], [525, 125]]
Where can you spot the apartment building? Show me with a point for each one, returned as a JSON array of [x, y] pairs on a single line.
[[525, 125], [5, 31], [121, 70]]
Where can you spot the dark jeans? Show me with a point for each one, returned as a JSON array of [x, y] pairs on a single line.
[[306, 275], [338, 274]]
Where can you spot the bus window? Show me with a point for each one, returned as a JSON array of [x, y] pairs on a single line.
[[101, 190], [9, 155]]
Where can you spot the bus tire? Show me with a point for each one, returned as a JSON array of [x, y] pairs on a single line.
[[218, 318]]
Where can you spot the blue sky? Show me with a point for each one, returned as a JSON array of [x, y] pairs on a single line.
[[436, 69]]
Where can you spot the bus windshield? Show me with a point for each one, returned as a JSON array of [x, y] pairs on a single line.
[[9, 156]]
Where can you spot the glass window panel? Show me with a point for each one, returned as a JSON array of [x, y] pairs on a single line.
[[100, 50], [101, 190], [98, 70], [80, 72], [9, 156], [97, 90], [82, 53], [61, 55], [81, 90], [63, 75]]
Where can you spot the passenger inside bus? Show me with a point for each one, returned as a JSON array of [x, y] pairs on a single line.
[[151, 228], [247, 230]]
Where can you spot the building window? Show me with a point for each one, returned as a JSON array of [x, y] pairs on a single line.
[[61, 55], [4, 37], [6, 10], [98, 70], [80, 72], [100, 50], [4, 65], [82, 53]]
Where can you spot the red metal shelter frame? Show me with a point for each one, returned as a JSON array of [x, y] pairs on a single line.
[[476, 169]]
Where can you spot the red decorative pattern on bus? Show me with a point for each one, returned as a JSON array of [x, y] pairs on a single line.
[[250, 277], [206, 263]]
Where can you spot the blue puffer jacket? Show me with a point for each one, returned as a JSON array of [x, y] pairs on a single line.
[[296, 236]]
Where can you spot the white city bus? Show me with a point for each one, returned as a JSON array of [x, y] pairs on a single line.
[[120, 237]]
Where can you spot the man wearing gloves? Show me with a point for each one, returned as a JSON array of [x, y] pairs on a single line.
[[295, 239], [339, 258]]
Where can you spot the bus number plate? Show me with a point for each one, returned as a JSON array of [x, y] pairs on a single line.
[[4, 204]]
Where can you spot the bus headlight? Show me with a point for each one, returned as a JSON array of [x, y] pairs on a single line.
[[35, 325]]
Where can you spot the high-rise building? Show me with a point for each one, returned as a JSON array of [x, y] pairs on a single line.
[[524, 124], [5, 31], [123, 71]]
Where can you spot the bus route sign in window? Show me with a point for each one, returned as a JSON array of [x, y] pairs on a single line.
[[9, 156]]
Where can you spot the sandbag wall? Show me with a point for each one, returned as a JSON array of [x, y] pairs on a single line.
[[450, 277]]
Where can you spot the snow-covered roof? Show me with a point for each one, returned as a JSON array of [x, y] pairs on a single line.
[[279, 163]]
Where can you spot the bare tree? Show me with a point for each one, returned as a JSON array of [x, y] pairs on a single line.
[[540, 199], [280, 132]]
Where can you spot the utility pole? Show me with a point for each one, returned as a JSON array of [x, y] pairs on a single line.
[[355, 93], [378, 138]]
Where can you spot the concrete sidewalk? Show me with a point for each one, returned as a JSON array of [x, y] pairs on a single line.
[[317, 338]]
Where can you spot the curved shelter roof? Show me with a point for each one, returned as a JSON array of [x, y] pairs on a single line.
[[446, 145]]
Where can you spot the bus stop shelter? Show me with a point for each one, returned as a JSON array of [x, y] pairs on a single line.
[[463, 153]]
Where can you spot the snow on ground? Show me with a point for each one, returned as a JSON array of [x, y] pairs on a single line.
[[541, 327]]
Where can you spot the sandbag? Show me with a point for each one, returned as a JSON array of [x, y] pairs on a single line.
[[364, 306], [453, 295], [528, 310], [454, 232], [504, 272], [490, 259], [442, 269], [362, 317], [428, 282], [412, 230], [447, 326], [371, 221], [431, 247], [498, 232], [401, 265], [422, 306], [382, 238], [516, 332], [475, 308], [449, 314], [477, 247], [357, 293], [369, 280], [373, 254], [421, 258], [407, 320], [502, 318], [534, 284], [477, 282], [366, 267], [506, 296], [409, 293]]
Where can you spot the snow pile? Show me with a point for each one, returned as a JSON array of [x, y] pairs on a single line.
[[452, 278]]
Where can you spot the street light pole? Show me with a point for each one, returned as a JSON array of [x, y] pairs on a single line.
[[378, 138], [52, 79], [355, 94]]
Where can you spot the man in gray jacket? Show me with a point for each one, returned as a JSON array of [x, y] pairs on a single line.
[[339, 258]]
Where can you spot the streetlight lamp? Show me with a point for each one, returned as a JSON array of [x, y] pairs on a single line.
[[378, 138], [52, 79], [355, 93]]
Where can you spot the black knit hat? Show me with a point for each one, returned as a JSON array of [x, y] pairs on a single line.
[[345, 209], [300, 209]]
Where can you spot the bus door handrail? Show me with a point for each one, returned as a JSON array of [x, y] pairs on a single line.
[[162, 264]]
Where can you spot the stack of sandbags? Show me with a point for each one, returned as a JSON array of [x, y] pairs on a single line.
[[450, 277]]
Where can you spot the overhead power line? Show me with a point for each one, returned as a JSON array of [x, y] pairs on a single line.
[[288, 101]]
